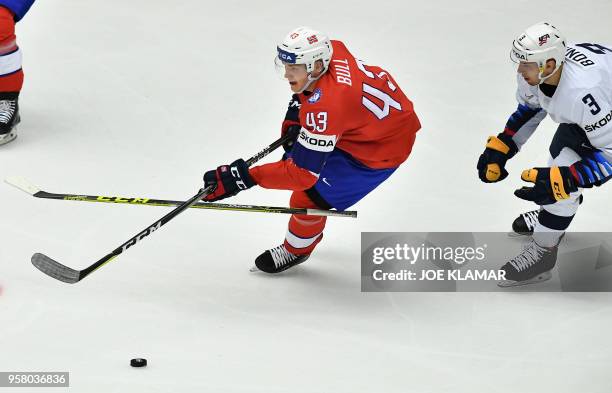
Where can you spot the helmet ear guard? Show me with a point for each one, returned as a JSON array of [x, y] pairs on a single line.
[[538, 44]]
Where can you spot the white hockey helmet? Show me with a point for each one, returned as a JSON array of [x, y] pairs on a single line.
[[537, 44], [305, 46]]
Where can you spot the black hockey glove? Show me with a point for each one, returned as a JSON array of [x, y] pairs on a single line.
[[551, 185], [228, 180], [291, 122], [492, 162]]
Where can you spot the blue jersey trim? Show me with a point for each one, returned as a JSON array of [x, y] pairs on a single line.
[[17, 7], [308, 159], [520, 117]]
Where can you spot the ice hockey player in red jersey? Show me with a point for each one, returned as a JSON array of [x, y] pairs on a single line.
[[11, 75], [356, 127]]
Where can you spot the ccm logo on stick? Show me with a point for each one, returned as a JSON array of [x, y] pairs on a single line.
[[142, 235]]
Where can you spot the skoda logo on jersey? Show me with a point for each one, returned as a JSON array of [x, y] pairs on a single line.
[[599, 124], [285, 56], [316, 96]]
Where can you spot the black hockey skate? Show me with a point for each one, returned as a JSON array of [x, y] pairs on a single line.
[[277, 260], [9, 116], [531, 266], [524, 224]]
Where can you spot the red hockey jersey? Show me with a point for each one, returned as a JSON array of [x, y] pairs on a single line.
[[354, 107]]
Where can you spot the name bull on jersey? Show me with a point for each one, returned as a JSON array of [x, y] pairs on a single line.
[[599, 124], [317, 142]]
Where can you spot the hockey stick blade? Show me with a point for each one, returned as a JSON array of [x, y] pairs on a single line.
[[65, 274], [22, 184], [55, 269]]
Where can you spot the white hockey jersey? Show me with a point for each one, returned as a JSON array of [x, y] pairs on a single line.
[[583, 97]]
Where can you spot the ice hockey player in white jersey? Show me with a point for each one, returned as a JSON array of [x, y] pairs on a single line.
[[572, 83]]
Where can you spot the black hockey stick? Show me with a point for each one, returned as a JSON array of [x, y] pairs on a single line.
[[66, 274], [33, 190]]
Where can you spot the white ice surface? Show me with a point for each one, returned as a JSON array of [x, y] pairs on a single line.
[[139, 98]]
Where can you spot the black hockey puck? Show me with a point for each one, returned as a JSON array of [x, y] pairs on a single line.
[[138, 362]]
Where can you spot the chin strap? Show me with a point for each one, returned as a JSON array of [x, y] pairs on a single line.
[[543, 78], [311, 80]]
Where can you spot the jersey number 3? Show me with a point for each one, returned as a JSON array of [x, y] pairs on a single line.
[[387, 100], [590, 101]]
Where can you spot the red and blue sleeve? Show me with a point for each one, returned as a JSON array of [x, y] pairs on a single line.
[[592, 171]]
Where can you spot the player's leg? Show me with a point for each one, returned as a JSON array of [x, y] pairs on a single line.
[[342, 183], [526, 222], [540, 255], [568, 145], [303, 234], [11, 77]]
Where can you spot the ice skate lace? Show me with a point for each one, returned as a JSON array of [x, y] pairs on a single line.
[[531, 219], [281, 256], [530, 255], [7, 109]]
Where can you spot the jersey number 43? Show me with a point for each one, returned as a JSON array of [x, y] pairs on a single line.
[[387, 100]]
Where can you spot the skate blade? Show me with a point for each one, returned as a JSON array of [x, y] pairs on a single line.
[[537, 279], [519, 234], [8, 138], [254, 269]]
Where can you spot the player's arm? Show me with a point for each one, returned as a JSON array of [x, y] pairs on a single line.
[[557, 183], [291, 121], [301, 169], [298, 172], [519, 127], [527, 116], [592, 171], [594, 114], [292, 173], [316, 141]]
